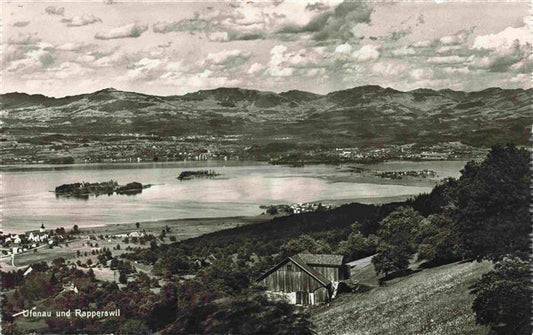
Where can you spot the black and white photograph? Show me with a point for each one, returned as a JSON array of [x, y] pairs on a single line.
[[336, 167]]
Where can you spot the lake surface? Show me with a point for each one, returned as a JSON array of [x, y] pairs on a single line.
[[28, 198]]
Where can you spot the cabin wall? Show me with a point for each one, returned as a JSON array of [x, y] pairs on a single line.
[[290, 278], [332, 273]]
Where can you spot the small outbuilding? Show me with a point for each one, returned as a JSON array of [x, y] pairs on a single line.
[[305, 279]]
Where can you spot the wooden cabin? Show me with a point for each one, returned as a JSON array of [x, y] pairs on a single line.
[[305, 279]]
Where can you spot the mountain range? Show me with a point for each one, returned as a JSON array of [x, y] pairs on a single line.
[[365, 115]]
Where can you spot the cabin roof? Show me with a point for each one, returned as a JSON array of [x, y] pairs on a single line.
[[302, 265], [322, 259]]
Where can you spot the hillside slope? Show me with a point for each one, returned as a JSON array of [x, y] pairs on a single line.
[[432, 301]]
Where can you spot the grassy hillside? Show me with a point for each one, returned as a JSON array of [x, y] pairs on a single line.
[[431, 301]]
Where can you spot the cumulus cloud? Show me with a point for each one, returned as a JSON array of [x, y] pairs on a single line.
[[83, 20], [32, 61], [366, 53], [195, 24], [421, 44], [404, 51], [389, 69], [226, 59], [505, 39], [457, 38], [131, 30], [421, 74], [454, 70], [507, 50], [275, 65], [343, 48], [446, 59], [72, 46], [24, 39], [336, 24], [215, 30], [53, 10], [20, 24], [516, 58], [255, 68]]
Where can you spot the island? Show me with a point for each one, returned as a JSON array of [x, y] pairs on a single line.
[[84, 189], [186, 175]]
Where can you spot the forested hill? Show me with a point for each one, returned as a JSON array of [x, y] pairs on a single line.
[[366, 115]]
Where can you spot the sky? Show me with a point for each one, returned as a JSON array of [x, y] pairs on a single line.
[[168, 48]]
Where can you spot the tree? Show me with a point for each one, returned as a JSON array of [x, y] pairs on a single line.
[[122, 278], [305, 243], [358, 246], [437, 239], [397, 240], [75, 229], [492, 207], [503, 297], [137, 225]]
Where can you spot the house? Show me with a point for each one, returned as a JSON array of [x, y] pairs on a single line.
[[305, 279]]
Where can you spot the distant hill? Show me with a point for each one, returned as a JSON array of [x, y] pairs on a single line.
[[365, 115]]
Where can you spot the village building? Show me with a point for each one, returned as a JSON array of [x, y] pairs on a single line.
[[305, 279]]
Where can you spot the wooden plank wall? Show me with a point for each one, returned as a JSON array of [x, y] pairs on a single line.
[[290, 278]]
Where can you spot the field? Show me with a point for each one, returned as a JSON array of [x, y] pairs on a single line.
[[431, 301], [181, 229]]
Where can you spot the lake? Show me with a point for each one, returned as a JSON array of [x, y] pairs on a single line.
[[28, 198]]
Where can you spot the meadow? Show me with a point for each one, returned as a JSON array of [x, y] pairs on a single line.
[[431, 301]]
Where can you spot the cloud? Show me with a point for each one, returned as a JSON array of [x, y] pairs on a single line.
[[32, 61], [215, 30], [83, 20], [505, 39], [127, 31], [454, 70], [507, 50], [447, 60], [457, 38], [448, 48], [20, 24], [336, 24], [516, 58], [72, 46], [275, 65], [218, 36], [366, 53], [255, 68], [317, 6], [189, 25], [421, 74], [226, 59], [343, 48], [421, 44], [404, 51], [53, 10], [24, 39], [389, 69]]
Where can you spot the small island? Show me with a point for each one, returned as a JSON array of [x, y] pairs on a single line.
[[187, 175], [403, 174], [84, 189]]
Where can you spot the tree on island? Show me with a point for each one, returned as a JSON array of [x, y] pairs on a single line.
[[137, 224]]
